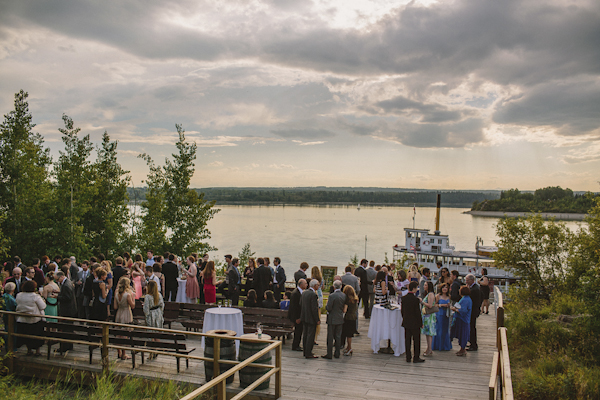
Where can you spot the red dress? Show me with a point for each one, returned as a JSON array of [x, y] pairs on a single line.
[[210, 292]]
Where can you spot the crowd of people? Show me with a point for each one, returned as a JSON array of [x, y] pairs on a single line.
[[441, 308]]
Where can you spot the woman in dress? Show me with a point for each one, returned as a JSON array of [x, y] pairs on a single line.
[[315, 273], [108, 281], [192, 290], [381, 289], [269, 301], [441, 341], [29, 301], [124, 302], [137, 275], [153, 309], [249, 274], [429, 320], [444, 277], [50, 293], [10, 303], [462, 320], [127, 261], [351, 311], [402, 284], [99, 310], [484, 283], [209, 277], [413, 273], [251, 299]]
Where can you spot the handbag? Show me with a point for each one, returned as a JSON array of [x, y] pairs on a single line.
[[431, 310]]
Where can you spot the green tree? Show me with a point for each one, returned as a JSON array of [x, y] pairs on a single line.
[[24, 182], [105, 224], [244, 255], [176, 214], [73, 193]]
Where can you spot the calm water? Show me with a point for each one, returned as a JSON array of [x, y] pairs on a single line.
[[332, 235]]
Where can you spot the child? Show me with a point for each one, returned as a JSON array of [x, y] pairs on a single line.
[[285, 303]]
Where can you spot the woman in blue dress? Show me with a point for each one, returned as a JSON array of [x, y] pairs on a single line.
[[461, 328], [441, 340]]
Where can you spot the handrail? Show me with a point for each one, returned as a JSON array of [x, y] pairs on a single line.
[[218, 378], [500, 377]]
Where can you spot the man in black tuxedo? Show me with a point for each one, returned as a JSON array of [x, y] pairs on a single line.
[[455, 287], [262, 278], [118, 271], [278, 279], [301, 273], [17, 279], [310, 317], [361, 273], [476, 298], [234, 282], [412, 323], [171, 272], [67, 304], [294, 313]]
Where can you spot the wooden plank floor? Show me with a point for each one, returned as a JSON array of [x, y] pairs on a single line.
[[364, 375]]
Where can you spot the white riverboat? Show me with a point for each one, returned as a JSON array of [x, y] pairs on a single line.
[[427, 249]]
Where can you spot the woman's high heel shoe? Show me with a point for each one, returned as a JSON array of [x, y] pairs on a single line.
[[348, 353]]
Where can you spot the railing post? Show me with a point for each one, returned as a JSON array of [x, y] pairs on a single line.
[[10, 343], [222, 390], [499, 324], [105, 349], [278, 373], [216, 356]]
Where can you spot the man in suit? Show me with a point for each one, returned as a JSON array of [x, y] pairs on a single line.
[[310, 314], [262, 279], [455, 287], [118, 271], [335, 320], [67, 306], [87, 291], [81, 278], [361, 273], [235, 281], [412, 323], [39, 274], [17, 279], [279, 279], [476, 298], [294, 313], [171, 272], [301, 273]]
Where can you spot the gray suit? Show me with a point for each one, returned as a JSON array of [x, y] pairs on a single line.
[[309, 315], [335, 320], [351, 280], [371, 275]]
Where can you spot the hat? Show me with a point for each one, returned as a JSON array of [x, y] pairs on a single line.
[[228, 256]]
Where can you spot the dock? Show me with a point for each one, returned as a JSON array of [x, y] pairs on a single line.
[[364, 375]]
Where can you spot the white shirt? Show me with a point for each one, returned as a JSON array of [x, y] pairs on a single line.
[[157, 280], [30, 303]]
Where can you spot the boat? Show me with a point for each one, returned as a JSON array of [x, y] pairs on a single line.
[[427, 249]]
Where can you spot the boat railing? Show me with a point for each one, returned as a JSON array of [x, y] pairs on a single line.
[[500, 385]]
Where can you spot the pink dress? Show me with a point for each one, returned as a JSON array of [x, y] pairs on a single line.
[[137, 284], [192, 290]]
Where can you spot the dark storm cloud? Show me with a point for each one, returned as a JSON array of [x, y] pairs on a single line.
[[432, 113], [572, 108]]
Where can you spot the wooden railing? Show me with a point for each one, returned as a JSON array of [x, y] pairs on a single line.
[[500, 386], [219, 379]]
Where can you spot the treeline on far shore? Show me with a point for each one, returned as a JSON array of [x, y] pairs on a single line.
[[362, 196], [551, 199]]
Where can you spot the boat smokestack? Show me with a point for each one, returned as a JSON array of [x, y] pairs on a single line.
[[437, 214]]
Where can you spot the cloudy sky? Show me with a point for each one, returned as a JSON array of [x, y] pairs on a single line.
[[465, 94]]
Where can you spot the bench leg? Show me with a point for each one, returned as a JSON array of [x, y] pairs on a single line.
[[133, 353], [177, 364], [91, 353], [49, 350], [187, 363]]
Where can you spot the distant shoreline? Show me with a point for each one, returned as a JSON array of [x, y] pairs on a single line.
[[503, 214], [344, 204]]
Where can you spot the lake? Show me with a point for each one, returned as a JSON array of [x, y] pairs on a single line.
[[332, 235]]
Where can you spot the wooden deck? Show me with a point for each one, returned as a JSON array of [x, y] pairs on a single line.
[[364, 375]]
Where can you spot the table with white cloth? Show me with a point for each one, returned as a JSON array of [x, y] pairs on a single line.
[[224, 318], [181, 296], [386, 325]]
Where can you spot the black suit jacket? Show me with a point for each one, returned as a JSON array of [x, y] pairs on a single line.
[[262, 278], [171, 272], [117, 272], [455, 291], [361, 273], [299, 275], [477, 300], [67, 305], [295, 305], [309, 311], [411, 312], [234, 277], [17, 288], [281, 278]]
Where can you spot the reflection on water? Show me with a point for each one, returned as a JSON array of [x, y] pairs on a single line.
[[331, 235]]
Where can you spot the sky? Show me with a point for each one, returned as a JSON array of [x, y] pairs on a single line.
[[465, 94]]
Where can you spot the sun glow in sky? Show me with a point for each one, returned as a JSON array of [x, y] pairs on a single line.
[[463, 94]]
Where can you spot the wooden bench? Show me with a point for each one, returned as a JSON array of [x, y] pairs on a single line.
[[61, 330], [191, 316], [274, 322], [170, 314]]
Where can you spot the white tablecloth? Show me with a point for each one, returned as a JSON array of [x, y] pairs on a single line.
[[224, 318], [181, 297], [386, 324]]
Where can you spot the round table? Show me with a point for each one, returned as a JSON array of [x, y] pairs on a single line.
[[227, 318], [181, 296], [386, 325]]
